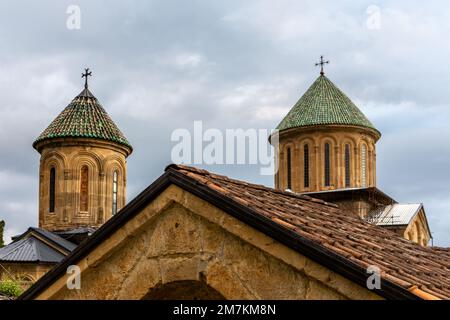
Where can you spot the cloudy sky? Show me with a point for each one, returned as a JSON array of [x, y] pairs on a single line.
[[161, 65]]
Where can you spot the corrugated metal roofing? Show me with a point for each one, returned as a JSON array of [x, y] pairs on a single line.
[[30, 249], [395, 214], [55, 238]]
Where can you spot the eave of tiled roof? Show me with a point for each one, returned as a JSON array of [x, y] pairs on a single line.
[[324, 104], [84, 117], [322, 232]]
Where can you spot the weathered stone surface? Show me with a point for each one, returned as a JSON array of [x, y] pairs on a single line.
[[317, 291], [145, 275], [262, 273], [179, 268], [176, 231], [224, 280]]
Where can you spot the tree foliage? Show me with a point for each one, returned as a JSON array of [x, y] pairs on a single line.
[[10, 288], [2, 227]]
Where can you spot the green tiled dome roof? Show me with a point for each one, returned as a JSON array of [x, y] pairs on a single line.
[[84, 117], [322, 104]]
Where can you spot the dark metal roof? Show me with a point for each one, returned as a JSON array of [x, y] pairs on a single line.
[[370, 192], [80, 230], [52, 237], [36, 245], [77, 235], [30, 249]]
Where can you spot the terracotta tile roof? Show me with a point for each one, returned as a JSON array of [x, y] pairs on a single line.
[[313, 227], [401, 261], [444, 252], [84, 117], [323, 103]]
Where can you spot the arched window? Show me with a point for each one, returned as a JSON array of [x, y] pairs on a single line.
[[114, 192], [52, 191], [327, 165], [84, 189], [363, 165], [306, 165], [289, 168], [347, 165]]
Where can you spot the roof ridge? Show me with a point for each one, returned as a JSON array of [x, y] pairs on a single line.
[[179, 168], [54, 239]]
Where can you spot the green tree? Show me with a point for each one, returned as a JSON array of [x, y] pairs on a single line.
[[2, 227], [10, 288]]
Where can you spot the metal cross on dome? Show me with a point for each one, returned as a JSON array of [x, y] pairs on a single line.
[[86, 74], [321, 63]]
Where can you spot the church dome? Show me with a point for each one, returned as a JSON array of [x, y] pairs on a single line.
[[324, 104], [84, 117]]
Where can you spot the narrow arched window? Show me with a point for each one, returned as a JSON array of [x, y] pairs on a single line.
[[306, 166], [327, 165], [347, 165], [52, 191], [289, 168], [84, 189], [363, 165], [114, 192]]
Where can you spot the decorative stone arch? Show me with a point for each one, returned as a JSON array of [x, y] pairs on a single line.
[[87, 154], [327, 138], [334, 161], [111, 166], [118, 161], [26, 279], [114, 157], [53, 154], [183, 290], [94, 185], [363, 163], [350, 141], [351, 138], [311, 143], [283, 167], [58, 161]]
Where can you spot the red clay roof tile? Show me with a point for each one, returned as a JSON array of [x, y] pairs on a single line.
[[401, 261]]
